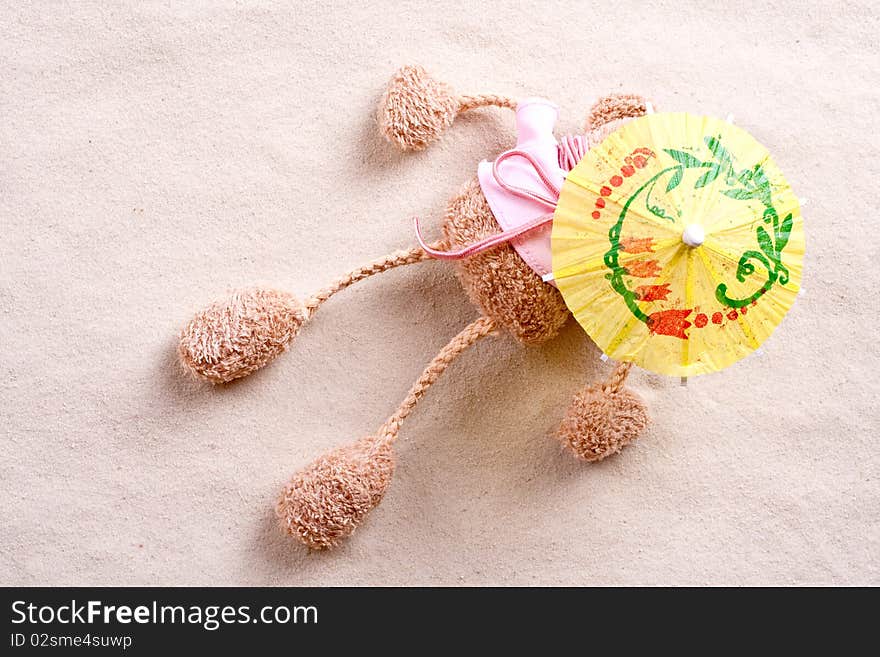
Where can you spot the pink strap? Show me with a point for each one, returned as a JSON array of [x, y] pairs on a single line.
[[483, 244], [506, 235], [572, 149], [522, 192]]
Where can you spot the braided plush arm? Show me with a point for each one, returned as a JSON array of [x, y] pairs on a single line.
[[246, 331]]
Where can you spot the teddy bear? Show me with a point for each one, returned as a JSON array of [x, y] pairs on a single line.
[[496, 231]]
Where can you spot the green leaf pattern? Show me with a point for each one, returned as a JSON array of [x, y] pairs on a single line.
[[744, 185]]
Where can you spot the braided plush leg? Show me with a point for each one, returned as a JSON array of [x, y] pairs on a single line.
[[603, 418], [328, 499], [232, 338]]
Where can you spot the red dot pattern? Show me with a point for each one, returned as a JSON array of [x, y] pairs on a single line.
[[637, 159]]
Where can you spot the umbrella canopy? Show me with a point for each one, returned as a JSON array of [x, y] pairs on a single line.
[[677, 244]]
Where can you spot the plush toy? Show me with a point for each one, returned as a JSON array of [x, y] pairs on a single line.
[[495, 232]]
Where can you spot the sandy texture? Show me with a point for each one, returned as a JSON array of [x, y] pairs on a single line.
[[152, 158]]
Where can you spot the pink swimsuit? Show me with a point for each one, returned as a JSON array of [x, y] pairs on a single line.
[[535, 119], [522, 185]]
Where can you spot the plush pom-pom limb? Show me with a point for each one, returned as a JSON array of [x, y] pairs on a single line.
[[603, 418], [416, 109], [232, 338], [327, 500]]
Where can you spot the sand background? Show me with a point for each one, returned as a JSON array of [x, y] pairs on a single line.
[[154, 155]]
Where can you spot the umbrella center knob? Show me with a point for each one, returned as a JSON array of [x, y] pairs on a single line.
[[693, 235]]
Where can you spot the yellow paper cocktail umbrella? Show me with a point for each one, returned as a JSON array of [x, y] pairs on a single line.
[[677, 244]]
